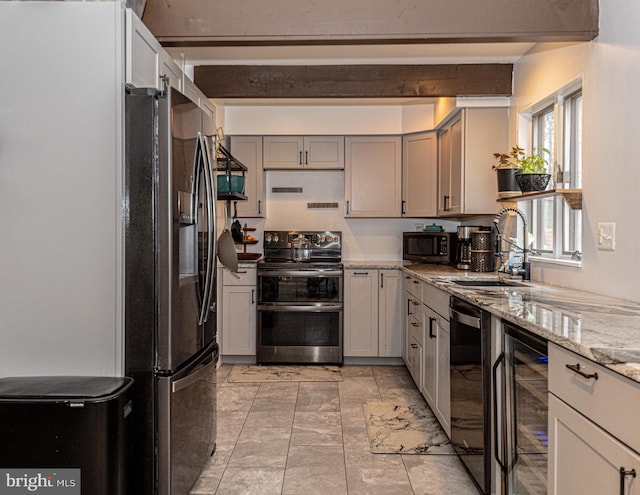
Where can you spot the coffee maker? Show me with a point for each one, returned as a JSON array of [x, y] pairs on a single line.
[[463, 258]]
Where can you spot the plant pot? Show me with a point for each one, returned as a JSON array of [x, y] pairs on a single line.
[[507, 185], [533, 182]]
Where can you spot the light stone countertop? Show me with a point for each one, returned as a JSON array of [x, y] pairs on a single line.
[[603, 329]]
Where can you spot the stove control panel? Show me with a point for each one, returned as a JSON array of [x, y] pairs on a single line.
[[320, 240]]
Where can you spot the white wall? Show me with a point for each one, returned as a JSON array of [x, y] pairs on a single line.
[[313, 119], [611, 68], [363, 238]]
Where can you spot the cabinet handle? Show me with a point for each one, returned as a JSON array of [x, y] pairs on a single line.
[[300, 159], [360, 274], [347, 207], [402, 210], [415, 346], [414, 324], [431, 320], [253, 293], [415, 303], [576, 369], [623, 475], [382, 280], [259, 207], [306, 158], [446, 199]]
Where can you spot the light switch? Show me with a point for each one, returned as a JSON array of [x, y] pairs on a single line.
[[606, 237]]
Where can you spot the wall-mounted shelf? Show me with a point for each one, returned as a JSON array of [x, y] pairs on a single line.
[[573, 197], [227, 163]]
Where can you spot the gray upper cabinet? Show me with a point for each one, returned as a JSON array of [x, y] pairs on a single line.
[[248, 149], [420, 175], [373, 176], [303, 152], [466, 143]]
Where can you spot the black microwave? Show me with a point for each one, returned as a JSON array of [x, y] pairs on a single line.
[[430, 247]]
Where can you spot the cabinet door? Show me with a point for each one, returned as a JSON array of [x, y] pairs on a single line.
[[390, 313], [585, 459], [419, 175], [457, 166], [444, 169], [450, 167], [239, 320], [360, 313], [170, 69], [430, 351], [283, 152], [443, 394], [248, 149], [323, 152], [142, 54], [373, 176]]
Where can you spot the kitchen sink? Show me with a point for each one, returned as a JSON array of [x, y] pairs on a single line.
[[487, 283]]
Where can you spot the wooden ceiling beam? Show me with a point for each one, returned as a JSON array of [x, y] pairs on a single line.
[[276, 22], [354, 81]]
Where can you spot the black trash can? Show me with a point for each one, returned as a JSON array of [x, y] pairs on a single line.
[[71, 433]]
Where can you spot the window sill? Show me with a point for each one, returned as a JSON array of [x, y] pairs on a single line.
[[556, 261]]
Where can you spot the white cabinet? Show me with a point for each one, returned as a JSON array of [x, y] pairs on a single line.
[[248, 149], [593, 440], [466, 143], [239, 312], [420, 175], [373, 176], [372, 318], [436, 380], [585, 459], [412, 325], [389, 313], [304, 152], [142, 68], [146, 60], [426, 329]]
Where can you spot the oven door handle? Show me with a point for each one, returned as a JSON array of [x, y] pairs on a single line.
[[300, 273], [301, 308]]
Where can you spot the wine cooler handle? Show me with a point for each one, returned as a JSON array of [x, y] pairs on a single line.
[[497, 446]]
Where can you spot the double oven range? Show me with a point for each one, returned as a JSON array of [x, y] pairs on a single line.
[[300, 298]]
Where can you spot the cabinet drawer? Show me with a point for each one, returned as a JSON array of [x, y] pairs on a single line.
[[244, 276], [416, 328], [436, 299], [413, 286], [612, 401]]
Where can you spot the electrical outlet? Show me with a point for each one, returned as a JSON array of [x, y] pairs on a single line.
[[606, 237]]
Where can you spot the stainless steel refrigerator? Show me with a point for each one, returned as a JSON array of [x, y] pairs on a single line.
[[170, 288]]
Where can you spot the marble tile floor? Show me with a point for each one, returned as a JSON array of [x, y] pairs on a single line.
[[307, 438]]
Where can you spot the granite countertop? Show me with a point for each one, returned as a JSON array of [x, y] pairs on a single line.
[[603, 329]]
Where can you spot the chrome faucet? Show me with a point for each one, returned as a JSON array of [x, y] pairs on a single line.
[[525, 271]]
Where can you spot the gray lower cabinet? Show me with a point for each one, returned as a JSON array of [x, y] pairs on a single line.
[[426, 345], [594, 442], [239, 312], [372, 313]]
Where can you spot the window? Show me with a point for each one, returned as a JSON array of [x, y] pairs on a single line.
[[557, 126]]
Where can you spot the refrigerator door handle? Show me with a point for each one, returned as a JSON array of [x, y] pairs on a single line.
[[204, 163], [183, 383]]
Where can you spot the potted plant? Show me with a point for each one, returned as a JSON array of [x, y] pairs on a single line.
[[532, 170], [506, 167]]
